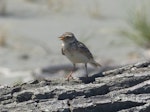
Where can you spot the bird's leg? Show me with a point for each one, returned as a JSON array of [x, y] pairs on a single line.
[[86, 70], [70, 74]]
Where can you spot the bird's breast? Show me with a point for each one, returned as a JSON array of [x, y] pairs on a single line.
[[75, 56]]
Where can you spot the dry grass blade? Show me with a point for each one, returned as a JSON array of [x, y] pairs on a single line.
[[3, 7], [94, 11], [139, 21], [3, 37]]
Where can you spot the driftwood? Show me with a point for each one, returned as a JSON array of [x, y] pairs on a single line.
[[125, 89]]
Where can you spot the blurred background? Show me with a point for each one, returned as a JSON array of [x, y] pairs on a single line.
[[116, 32]]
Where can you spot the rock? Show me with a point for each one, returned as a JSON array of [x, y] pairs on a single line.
[[23, 96], [125, 89]]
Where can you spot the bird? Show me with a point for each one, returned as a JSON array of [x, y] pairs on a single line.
[[76, 52]]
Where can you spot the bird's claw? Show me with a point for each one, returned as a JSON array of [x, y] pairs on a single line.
[[69, 76]]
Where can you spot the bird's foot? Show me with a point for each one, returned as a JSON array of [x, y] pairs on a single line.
[[69, 76], [86, 76]]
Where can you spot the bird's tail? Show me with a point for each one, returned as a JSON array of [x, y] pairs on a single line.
[[95, 64]]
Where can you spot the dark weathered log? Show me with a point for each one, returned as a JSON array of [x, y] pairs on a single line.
[[125, 89]]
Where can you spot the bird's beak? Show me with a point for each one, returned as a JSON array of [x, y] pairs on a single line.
[[61, 38]]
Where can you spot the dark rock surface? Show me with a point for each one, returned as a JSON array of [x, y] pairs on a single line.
[[125, 89]]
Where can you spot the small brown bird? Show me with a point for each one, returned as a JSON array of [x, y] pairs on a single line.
[[76, 52]]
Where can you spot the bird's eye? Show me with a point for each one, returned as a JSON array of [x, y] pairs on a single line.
[[68, 37]]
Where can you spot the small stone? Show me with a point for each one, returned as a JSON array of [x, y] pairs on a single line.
[[24, 96]]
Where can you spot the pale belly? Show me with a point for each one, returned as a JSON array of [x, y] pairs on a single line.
[[77, 57]]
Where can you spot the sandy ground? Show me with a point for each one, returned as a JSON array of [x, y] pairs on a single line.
[[32, 28]]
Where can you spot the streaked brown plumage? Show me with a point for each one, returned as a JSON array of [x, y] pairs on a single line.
[[76, 51]]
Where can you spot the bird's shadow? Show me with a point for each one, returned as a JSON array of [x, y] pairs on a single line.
[[93, 77], [52, 72]]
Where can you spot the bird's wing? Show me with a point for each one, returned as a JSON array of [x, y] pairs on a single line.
[[62, 51], [84, 50]]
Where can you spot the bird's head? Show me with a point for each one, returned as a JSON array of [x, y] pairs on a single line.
[[68, 37]]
